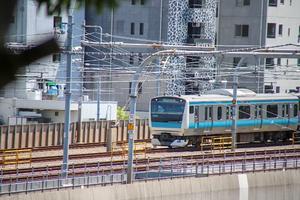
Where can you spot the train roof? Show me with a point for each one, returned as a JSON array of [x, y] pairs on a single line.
[[242, 94]]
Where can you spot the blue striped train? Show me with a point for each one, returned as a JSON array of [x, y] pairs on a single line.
[[177, 121]]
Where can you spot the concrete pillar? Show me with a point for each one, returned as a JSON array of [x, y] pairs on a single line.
[[111, 136]]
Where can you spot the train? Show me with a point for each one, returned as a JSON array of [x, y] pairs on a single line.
[[179, 121]]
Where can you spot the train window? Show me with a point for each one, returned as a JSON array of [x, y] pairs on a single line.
[[244, 112], [219, 113], [205, 113], [191, 109], [295, 110], [272, 111]]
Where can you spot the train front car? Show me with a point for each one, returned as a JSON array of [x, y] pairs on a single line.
[[166, 121]]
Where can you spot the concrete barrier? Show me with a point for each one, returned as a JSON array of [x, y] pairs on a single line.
[[229, 186], [43, 135]]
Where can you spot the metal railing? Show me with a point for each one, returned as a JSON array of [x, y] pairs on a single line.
[[166, 169]]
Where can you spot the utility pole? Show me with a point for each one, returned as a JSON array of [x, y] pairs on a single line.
[[81, 87], [98, 97], [234, 104], [67, 99]]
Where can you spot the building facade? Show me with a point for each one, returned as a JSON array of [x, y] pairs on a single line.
[[188, 22], [261, 23]]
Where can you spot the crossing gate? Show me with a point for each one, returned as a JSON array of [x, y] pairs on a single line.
[[16, 157]]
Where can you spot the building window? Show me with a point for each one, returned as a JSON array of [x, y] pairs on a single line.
[[244, 112], [56, 114], [132, 28], [56, 57], [271, 32], [282, 2], [280, 30], [141, 28], [273, 3], [242, 30], [272, 111], [269, 89], [278, 61], [57, 21], [236, 61], [277, 89], [131, 59], [290, 2], [142, 2], [289, 31], [140, 58], [287, 62], [133, 2], [270, 63], [196, 3], [246, 2], [140, 88], [298, 62], [241, 3], [120, 26], [195, 30]]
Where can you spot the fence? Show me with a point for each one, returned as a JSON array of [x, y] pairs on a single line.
[[43, 135], [166, 169]]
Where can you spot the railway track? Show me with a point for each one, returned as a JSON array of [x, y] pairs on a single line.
[[148, 164], [147, 151]]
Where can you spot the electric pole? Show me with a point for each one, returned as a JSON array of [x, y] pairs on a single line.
[[67, 99]]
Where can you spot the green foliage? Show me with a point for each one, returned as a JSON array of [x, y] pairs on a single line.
[[56, 7], [11, 62], [121, 113]]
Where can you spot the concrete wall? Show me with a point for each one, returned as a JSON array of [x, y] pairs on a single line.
[[238, 186]]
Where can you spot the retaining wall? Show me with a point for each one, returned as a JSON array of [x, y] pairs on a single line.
[[215, 187], [42, 135]]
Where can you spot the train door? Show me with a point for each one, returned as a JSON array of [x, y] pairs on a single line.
[[197, 116], [285, 113], [258, 116], [228, 118], [208, 117], [192, 117]]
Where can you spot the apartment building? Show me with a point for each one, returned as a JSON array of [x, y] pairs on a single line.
[[188, 22], [262, 23]]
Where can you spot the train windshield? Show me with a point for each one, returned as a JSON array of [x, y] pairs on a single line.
[[167, 109]]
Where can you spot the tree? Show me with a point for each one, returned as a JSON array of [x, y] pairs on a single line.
[[11, 62], [121, 113]]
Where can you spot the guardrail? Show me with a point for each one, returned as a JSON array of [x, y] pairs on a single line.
[[167, 169]]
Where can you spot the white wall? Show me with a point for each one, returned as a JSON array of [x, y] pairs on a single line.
[[108, 110]]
